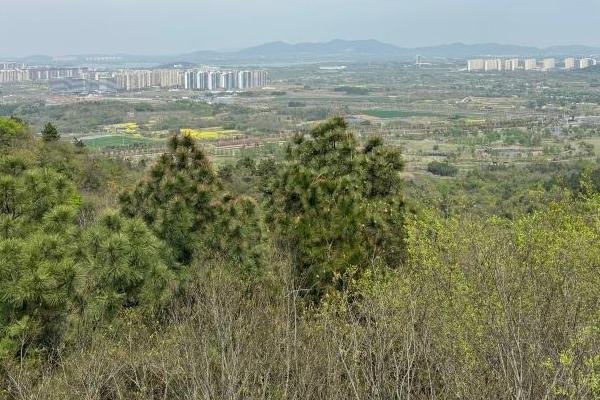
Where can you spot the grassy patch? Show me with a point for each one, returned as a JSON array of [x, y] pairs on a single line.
[[116, 141]]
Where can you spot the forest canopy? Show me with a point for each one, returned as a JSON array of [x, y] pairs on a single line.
[[319, 275]]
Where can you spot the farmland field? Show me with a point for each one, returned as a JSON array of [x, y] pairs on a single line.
[[129, 128], [207, 134], [116, 141]]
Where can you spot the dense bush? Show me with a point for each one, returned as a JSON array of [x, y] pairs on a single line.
[[442, 168], [483, 309], [352, 90], [11, 128]]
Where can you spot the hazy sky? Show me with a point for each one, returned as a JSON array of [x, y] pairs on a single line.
[[60, 27]]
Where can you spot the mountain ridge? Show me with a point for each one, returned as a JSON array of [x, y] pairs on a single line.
[[333, 50]]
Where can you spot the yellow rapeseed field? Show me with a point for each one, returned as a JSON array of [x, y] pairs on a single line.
[[474, 121], [206, 134], [130, 128]]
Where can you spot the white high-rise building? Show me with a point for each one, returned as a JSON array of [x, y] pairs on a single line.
[[168, 78], [14, 75], [549, 64], [202, 80], [134, 79], [476, 65], [584, 63], [530, 64], [4, 65], [214, 80], [492, 65], [244, 80], [190, 80], [569, 63], [229, 80], [511, 64], [259, 79]]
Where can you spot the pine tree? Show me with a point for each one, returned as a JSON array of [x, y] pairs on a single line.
[[37, 268], [122, 265], [337, 207], [184, 203], [50, 133]]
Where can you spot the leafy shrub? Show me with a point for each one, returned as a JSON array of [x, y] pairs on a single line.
[[12, 128], [442, 168], [354, 90]]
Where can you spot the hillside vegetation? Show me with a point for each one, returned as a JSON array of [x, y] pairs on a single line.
[[321, 275]]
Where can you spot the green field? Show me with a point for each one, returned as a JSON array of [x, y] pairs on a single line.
[[116, 141]]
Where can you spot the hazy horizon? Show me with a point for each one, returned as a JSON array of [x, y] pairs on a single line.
[[65, 27]]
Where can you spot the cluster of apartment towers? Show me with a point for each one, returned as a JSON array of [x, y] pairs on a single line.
[[76, 80], [530, 64], [210, 79], [11, 72]]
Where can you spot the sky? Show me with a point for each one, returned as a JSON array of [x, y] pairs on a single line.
[[63, 27]]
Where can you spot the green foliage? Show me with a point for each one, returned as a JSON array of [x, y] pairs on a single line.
[[442, 168], [496, 296], [337, 208], [117, 141], [50, 133], [524, 138], [182, 200], [122, 265], [12, 128], [488, 286], [37, 229], [352, 90], [50, 269], [29, 196]]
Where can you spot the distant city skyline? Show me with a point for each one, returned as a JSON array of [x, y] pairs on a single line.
[[528, 64], [63, 27]]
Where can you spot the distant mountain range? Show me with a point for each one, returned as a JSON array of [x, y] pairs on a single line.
[[333, 51], [365, 50]]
